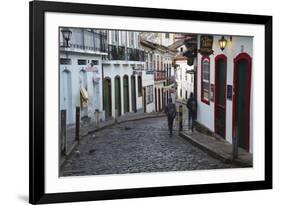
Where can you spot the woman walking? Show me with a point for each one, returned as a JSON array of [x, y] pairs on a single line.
[[171, 113]]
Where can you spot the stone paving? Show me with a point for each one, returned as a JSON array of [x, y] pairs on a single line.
[[137, 146]]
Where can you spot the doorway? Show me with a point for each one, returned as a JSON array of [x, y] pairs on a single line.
[[220, 94], [84, 84], [133, 93], [126, 93], [117, 95], [144, 99], [67, 95], [159, 100], [241, 99], [107, 97], [155, 94]]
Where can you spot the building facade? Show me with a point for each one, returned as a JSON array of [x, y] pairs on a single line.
[[163, 71], [104, 73], [224, 89], [80, 72], [184, 79], [122, 74]]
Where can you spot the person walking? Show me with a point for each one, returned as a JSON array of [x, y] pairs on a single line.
[[192, 110], [171, 113]]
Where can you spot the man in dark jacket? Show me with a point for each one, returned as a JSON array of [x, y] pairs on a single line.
[[192, 110], [171, 113]]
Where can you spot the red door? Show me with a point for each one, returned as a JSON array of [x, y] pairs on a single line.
[[241, 99], [220, 94]]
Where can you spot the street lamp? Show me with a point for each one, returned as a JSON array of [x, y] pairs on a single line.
[[66, 33], [222, 43]]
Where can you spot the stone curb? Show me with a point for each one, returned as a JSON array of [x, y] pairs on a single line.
[[76, 143], [213, 153]]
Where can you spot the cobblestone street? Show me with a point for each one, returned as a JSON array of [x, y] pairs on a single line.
[[137, 146]]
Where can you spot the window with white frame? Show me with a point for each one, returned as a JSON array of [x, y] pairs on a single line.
[[205, 80]]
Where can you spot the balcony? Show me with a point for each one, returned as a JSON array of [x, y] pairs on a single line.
[[159, 75], [97, 44], [135, 54], [116, 52], [76, 47], [122, 53]]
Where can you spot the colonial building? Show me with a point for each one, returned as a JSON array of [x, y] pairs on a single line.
[[224, 87], [81, 53], [122, 74], [148, 80], [184, 75], [161, 63], [103, 72], [122, 82]]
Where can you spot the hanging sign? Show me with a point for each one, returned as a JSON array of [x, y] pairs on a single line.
[[191, 50], [206, 45]]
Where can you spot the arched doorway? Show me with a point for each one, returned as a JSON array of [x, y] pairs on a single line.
[[84, 84], [126, 93], [220, 94], [107, 97], [159, 100], [144, 98], [155, 95], [67, 95], [241, 99], [133, 93], [117, 87], [163, 98]]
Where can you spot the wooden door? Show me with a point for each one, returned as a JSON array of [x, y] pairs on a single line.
[[159, 100], [144, 99], [126, 93], [107, 98], [155, 95], [117, 95], [220, 94], [133, 93], [241, 99]]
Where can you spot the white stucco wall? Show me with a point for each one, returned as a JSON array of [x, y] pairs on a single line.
[[94, 90], [148, 80], [205, 114], [120, 68], [185, 82]]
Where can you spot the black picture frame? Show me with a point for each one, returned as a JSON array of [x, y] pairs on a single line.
[[37, 9]]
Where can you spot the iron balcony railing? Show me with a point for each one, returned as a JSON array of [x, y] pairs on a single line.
[[98, 44], [123, 53], [116, 52], [159, 75], [100, 48], [135, 54]]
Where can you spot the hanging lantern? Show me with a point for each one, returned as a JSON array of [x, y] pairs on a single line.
[[66, 33], [222, 43]]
